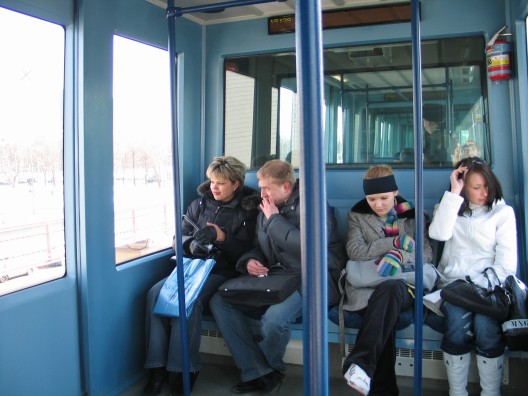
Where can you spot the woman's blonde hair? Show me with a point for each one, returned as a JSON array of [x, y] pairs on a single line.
[[379, 179], [227, 168], [377, 171]]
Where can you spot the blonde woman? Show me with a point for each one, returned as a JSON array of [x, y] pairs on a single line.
[[226, 213]]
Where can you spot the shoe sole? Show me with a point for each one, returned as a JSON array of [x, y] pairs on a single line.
[[357, 388], [246, 391]]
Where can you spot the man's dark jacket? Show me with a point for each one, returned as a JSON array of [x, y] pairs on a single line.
[[278, 241]]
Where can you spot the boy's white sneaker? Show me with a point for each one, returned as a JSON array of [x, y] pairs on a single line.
[[357, 379]]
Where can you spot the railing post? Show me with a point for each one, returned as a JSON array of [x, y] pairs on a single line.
[[308, 33], [418, 182], [177, 197]]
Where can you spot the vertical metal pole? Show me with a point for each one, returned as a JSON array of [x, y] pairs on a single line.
[[313, 197], [368, 119], [177, 197], [418, 180]]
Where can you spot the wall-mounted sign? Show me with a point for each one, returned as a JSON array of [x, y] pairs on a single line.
[[395, 13]]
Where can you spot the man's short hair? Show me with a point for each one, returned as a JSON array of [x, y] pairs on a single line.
[[278, 171]]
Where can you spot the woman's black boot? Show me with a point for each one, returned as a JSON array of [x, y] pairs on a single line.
[[157, 376]]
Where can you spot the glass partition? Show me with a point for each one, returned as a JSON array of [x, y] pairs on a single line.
[[368, 105]]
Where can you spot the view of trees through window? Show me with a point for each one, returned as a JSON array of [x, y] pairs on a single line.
[[143, 183], [31, 151]]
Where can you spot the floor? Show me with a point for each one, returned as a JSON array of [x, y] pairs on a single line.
[[219, 374]]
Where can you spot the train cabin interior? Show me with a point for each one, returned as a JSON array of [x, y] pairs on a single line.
[[87, 155]]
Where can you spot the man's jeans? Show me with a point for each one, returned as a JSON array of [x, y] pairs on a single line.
[[255, 359]]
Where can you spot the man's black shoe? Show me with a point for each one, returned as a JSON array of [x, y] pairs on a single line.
[[272, 381], [266, 384], [249, 386]]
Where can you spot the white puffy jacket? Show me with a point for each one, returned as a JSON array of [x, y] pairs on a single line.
[[472, 243]]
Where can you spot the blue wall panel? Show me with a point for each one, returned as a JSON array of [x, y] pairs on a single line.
[[39, 333], [113, 300]]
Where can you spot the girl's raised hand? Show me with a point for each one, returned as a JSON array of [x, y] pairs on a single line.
[[457, 179]]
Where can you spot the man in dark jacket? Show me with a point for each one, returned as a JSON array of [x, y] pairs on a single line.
[[277, 243]]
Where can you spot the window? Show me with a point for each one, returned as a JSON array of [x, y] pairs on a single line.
[[31, 151], [143, 186], [368, 102]]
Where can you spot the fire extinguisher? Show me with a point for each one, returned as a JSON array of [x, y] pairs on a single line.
[[498, 56]]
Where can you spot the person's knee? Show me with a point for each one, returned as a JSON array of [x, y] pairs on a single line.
[[458, 328], [153, 294], [215, 302], [392, 288], [151, 299], [489, 339], [271, 322]]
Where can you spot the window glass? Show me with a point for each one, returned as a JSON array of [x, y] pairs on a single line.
[[143, 187], [31, 151], [368, 105]]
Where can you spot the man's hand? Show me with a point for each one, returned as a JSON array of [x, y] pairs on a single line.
[[268, 207], [255, 268]]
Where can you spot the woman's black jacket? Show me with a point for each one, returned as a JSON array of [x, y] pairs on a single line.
[[236, 218]]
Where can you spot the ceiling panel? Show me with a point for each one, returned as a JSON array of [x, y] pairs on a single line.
[[259, 10]]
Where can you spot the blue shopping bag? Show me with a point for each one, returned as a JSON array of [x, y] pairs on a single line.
[[195, 272]]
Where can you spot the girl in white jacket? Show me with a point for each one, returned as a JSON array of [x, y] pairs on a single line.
[[479, 231]]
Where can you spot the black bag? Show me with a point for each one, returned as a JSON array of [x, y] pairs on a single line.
[[515, 328], [258, 291], [493, 301]]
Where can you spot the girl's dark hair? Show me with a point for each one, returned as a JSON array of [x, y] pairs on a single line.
[[477, 165]]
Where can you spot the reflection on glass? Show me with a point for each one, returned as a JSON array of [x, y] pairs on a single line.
[[31, 160], [368, 98], [143, 189]]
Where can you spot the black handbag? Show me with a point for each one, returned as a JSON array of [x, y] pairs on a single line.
[[258, 291], [515, 328], [493, 301]]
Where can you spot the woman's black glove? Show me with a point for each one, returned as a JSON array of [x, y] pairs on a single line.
[[201, 251], [205, 235]]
